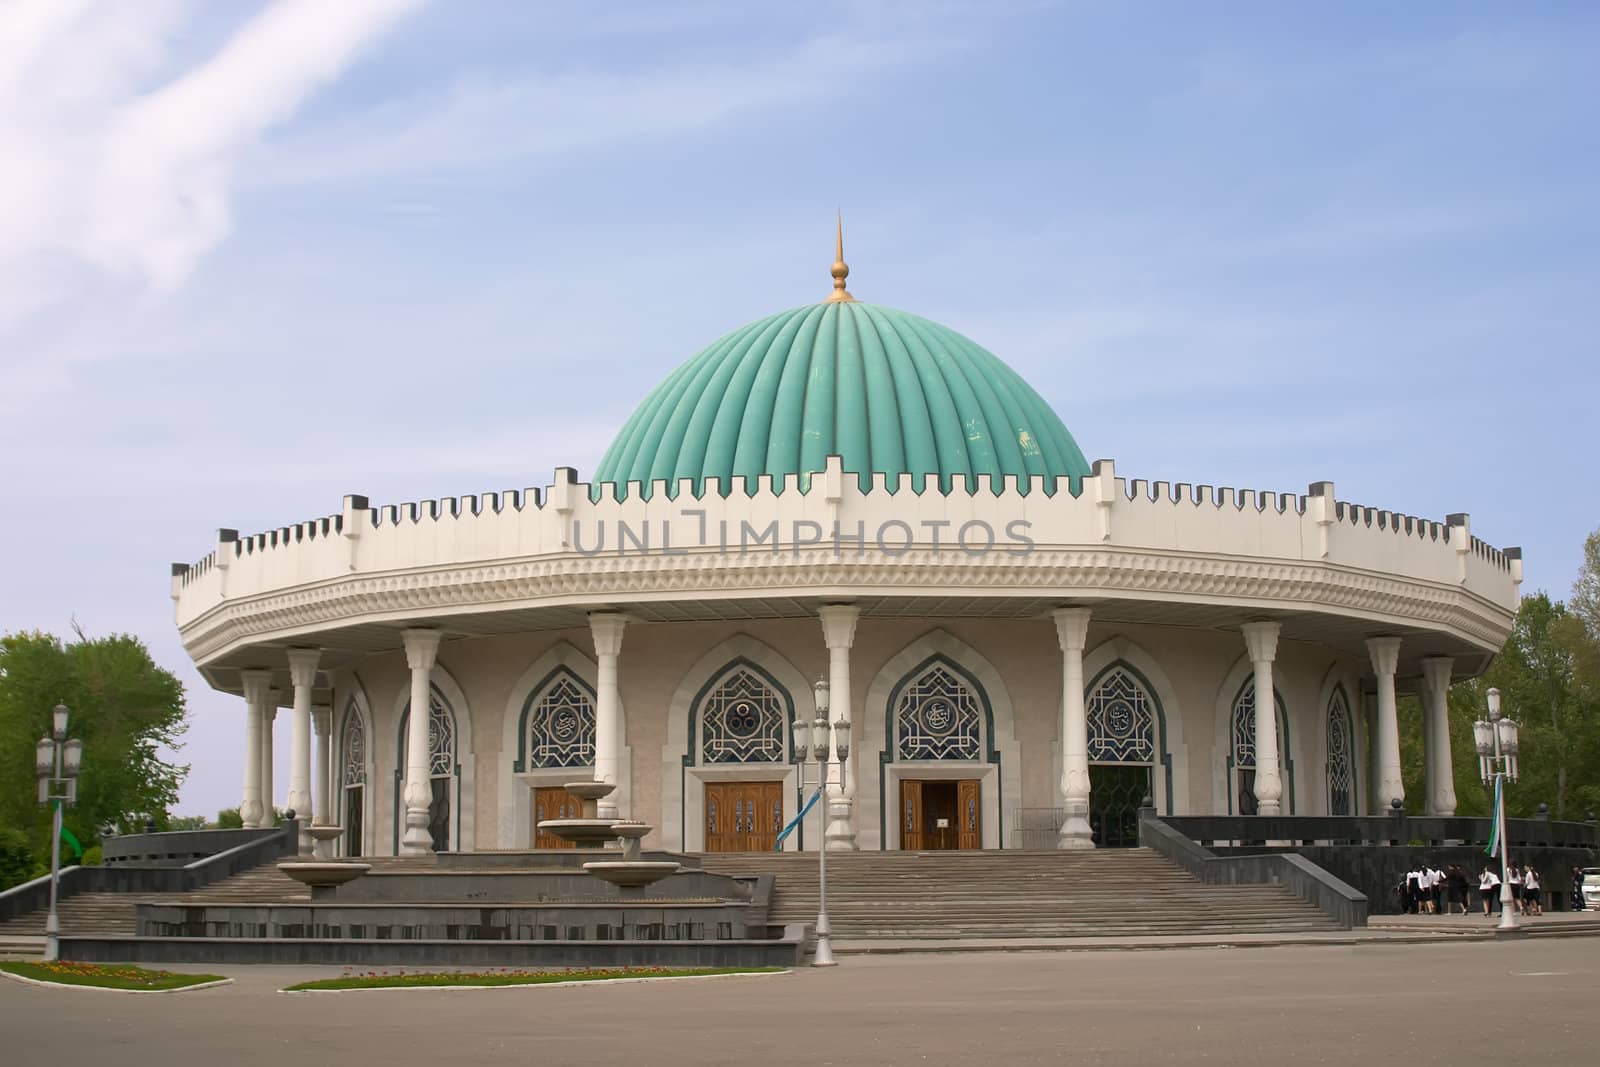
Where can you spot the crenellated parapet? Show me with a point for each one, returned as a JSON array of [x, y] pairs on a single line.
[[1099, 535]]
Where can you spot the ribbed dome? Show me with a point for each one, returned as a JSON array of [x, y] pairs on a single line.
[[887, 390]]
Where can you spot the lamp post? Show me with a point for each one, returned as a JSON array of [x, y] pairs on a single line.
[[1496, 739], [813, 740], [57, 761]]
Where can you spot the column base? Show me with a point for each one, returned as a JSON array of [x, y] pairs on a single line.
[[840, 836], [1076, 833], [416, 841]]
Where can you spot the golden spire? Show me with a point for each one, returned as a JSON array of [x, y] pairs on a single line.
[[840, 271]]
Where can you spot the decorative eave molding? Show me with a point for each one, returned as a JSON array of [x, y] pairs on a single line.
[[1067, 571]]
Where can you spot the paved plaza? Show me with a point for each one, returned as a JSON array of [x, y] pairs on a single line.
[[1529, 1001]]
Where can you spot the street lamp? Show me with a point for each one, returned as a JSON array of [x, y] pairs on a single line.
[[1496, 739], [57, 761], [812, 739]]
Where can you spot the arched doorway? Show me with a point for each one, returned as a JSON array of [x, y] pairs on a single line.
[[1126, 750], [940, 724], [1342, 784], [444, 773]]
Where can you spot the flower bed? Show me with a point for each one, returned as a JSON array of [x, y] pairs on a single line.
[[105, 976], [508, 977]]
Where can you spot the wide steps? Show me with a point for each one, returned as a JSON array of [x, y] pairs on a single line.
[[936, 896]]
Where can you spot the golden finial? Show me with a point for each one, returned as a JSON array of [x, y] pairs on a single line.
[[841, 270]]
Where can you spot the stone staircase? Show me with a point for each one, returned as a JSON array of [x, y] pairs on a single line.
[[1018, 894], [874, 895]]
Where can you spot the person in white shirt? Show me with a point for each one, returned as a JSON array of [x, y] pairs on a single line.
[[1514, 876], [1532, 904], [1488, 882]]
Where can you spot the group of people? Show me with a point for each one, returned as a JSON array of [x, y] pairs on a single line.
[[1432, 890], [1527, 891]]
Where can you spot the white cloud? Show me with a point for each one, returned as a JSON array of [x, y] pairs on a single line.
[[120, 155]]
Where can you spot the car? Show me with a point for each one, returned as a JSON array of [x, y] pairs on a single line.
[[1591, 888]]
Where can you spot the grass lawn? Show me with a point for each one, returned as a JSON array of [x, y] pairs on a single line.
[[105, 976], [424, 979]]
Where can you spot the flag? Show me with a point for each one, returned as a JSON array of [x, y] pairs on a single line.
[[778, 844]]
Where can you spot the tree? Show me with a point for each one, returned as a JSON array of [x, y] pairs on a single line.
[[1586, 589], [124, 709]]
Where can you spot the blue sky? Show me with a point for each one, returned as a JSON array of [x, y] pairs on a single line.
[[256, 256]]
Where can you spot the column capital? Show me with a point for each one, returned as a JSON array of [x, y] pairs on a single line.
[[303, 666], [1385, 653], [1261, 640], [839, 624], [422, 648], [1436, 672], [321, 718], [606, 627], [1072, 627], [257, 686], [269, 710]]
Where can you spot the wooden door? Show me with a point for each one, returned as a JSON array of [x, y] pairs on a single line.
[[913, 818], [553, 803], [969, 814], [743, 816]]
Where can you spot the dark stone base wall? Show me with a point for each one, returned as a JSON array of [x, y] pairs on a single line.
[[1378, 870]]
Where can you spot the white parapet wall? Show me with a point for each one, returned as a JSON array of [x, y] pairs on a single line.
[[825, 535]]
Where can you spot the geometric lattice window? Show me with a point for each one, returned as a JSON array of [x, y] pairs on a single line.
[[355, 748], [561, 726], [1244, 728], [441, 738], [938, 717], [743, 720], [1122, 721], [1341, 764]]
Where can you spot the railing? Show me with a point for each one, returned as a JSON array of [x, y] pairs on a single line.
[[1396, 829], [1342, 902], [262, 846], [177, 848]]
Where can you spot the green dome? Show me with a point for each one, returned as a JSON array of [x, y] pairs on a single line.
[[888, 391]]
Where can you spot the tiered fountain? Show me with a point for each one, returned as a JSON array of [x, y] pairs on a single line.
[[632, 871]]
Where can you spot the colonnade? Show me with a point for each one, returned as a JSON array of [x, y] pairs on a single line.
[[838, 621]]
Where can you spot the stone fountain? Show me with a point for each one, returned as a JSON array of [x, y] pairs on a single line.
[[591, 831]]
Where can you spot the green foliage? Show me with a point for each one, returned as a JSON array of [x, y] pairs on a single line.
[[425, 979], [16, 857], [124, 709], [105, 976], [229, 819], [187, 822], [92, 857]]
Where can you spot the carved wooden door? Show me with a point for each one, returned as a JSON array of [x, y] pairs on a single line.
[[912, 817], [553, 803], [743, 816], [969, 815]]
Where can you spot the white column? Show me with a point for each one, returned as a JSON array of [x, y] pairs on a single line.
[[606, 628], [321, 721], [303, 673], [422, 648], [1261, 641], [256, 686], [839, 634], [269, 715], [1436, 734], [1385, 652], [1072, 630]]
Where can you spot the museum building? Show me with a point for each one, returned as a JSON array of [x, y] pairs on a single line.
[[1026, 645]]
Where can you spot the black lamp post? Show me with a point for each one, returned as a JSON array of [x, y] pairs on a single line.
[[57, 761]]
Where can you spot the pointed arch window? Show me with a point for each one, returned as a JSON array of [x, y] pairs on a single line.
[[938, 716], [559, 724], [443, 772], [1341, 758], [743, 719], [1122, 720], [1242, 752], [353, 778]]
